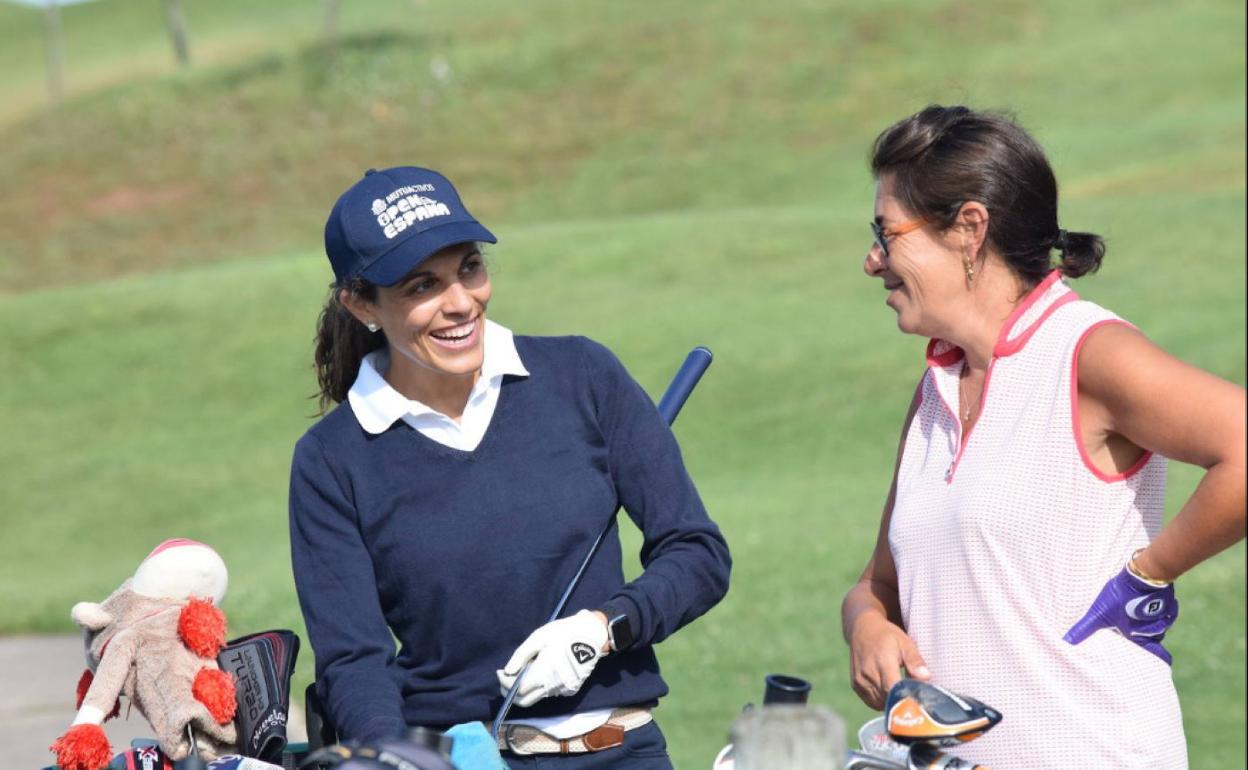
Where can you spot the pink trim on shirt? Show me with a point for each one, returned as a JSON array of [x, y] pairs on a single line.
[[1074, 412], [1003, 347], [941, 353], [1008, 347]]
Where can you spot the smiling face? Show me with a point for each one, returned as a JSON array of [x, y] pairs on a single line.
[[922, 272], [433, 319]]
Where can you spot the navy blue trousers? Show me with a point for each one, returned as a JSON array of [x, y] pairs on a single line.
[[643, 749]]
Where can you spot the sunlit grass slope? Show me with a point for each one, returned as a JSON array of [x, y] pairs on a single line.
[[556, 110], [661, 175], [167, 405]]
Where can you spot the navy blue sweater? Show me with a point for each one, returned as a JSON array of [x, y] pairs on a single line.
[[462, 554]]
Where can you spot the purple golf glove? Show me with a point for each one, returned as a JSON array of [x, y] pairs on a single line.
[[1140, 610]]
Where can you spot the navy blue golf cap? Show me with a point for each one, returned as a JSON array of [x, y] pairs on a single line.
[[392, 220]]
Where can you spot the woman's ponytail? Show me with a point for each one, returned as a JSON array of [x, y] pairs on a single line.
[[1078, 253], [341, 343]]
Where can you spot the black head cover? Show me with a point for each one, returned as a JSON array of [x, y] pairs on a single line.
[[262, 665]]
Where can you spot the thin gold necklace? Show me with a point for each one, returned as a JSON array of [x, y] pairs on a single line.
[[966, 414]]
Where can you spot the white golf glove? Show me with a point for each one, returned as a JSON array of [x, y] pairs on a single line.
[[563, 652]]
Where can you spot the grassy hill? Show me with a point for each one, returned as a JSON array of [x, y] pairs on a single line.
[[555, 114], [660, 175]]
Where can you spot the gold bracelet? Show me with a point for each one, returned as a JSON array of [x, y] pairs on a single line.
[[1134, 570]]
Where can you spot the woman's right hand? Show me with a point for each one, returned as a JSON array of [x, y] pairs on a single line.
[[878, 650]]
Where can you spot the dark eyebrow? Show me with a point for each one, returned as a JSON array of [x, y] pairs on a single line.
[[414, 275], [417, 272]]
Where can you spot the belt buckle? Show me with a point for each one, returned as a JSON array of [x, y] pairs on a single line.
[[508, 732]]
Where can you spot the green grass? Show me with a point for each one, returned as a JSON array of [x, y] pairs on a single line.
[[661, 175], [167, 405], [612, 109]]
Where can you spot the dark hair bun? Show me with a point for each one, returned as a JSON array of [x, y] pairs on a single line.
[[1081, 253]]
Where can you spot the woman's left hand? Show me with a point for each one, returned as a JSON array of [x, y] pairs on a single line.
[[1139, 609], [564, 653]]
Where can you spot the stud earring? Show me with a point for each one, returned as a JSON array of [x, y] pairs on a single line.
[[372, 327]]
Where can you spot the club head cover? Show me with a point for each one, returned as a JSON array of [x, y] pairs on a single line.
[[262, 665], [922, 712]]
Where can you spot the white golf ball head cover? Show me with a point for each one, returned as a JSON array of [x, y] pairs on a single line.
[[563, 654]]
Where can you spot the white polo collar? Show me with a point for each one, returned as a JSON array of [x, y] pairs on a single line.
[[377, 405]]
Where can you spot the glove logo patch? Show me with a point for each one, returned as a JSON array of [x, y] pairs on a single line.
[[583, 652], [1146, 607]]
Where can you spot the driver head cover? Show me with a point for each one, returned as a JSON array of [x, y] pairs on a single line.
[[919, 712]]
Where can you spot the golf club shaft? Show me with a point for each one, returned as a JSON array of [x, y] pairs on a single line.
[[669, 407], [925, 756]]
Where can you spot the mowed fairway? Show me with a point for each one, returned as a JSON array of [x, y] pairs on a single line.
[[720, 199]]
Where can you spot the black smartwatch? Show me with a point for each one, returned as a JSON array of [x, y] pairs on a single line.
[[619, 627]]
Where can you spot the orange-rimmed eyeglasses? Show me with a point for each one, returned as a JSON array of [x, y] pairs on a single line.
[[884, 234]]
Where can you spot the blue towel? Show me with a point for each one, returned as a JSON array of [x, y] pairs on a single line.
[[473, 748]]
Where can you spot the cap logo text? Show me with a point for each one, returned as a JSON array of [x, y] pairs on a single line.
[[405, 206]]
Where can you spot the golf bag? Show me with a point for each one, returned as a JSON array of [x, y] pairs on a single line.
[[420, 749]]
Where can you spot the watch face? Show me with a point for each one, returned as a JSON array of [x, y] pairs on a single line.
[[621, 633]]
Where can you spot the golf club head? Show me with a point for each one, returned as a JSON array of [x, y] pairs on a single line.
[[919, 712], [924, 756], [874, 741]]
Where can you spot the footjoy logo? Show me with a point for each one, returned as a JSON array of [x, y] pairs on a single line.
[[1146, 607], [582, 652], [405, 206]]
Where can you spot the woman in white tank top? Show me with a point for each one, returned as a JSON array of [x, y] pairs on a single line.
[[1021, 557]]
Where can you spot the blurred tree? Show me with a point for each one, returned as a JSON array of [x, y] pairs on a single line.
[[176, 23]]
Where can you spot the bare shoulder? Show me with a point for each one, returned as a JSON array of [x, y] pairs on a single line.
[[1113, 355], [1153, 398], [1118, 364]]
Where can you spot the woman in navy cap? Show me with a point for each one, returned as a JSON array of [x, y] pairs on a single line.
[[451, 494]]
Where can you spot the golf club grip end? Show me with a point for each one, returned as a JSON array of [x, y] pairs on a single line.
[[683, 383]]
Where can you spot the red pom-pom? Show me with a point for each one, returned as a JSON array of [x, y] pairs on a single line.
[[83, 747], [202, 628], [84, 684], [215, 689]]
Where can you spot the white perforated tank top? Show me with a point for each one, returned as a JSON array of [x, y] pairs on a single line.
[[1002, 541]]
